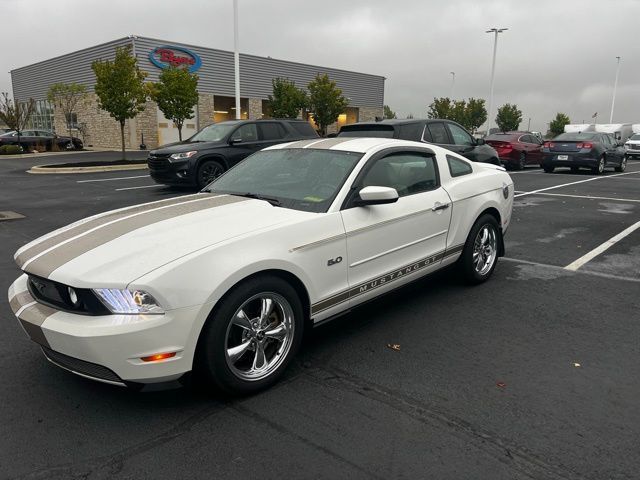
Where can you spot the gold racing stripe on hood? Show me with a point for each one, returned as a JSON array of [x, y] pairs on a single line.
[[46, 244], [45, 264]]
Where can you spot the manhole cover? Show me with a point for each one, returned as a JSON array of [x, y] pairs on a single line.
[[10, 216]]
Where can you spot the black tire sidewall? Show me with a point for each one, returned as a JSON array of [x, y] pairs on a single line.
[[466, 259], [210, 362], [199, 183]]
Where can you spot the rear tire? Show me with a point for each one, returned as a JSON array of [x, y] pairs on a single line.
[[251, 336], [623, 165], [548, 169], [480, 254], [575, 169], [207, 172], [522, 161], [599, 169]]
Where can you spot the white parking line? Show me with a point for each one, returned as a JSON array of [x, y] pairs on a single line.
[[135, 188], [530, 171], [574, 183], [602, 248], [590, 197], [583, 272], [111, 179]]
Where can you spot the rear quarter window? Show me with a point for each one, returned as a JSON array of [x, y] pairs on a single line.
[[411, 131], [458, 167], [303, 128]]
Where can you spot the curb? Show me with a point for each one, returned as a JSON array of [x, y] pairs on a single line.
[[43, 169]]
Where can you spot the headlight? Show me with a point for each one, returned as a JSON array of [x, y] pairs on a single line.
[[183, 155], [128, 302]]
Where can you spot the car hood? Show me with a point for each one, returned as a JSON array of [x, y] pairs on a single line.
[[180, 147], [115, 248]]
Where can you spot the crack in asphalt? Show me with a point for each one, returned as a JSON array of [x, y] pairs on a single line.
[[515, 456]]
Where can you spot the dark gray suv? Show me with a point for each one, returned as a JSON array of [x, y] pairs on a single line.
[[444, 133], [218, 147]]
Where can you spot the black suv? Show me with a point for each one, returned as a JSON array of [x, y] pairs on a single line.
[[218, 147], [444, 133]]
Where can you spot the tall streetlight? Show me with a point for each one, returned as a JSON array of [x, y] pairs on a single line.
[[453, 82], [236, 58], [495, 31], [615, 87]]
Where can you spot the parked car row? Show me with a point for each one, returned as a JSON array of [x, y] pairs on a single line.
[[593, 150], [32, 139]]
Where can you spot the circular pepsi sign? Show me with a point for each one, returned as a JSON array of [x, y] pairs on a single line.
[[171, 56]]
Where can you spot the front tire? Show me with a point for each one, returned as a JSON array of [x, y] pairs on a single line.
[[480, 254], [522, 161], [207, 172], [251, 337]]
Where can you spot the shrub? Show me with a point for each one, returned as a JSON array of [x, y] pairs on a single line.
[[10, 149]]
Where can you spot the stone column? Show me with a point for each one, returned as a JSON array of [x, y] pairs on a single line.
[[255, 108], [205, 109]]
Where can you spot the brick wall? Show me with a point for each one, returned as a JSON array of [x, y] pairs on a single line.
[[255, 108]]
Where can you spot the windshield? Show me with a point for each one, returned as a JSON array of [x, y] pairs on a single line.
[[10, 133], [302, 179], [635, 136], [378, 131], [213, 133], [576, 136]]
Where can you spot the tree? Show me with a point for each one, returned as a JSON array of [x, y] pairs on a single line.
[[120, 87], [176, 94], [556, 127], [476, 114], [16, 115], [325, 101], [287, 99], [66, 97], [388, 113], [508, 117], [440, 108]]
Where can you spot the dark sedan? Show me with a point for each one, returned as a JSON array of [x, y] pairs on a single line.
[[40, 140], [517, 149], [584, 150]]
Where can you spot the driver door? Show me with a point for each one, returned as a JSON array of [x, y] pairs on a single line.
[[390, 244], [243, 142]]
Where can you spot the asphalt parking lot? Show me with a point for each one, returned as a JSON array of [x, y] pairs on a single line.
[[533, 374]]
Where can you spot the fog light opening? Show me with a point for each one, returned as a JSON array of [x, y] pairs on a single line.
[[158, 356]]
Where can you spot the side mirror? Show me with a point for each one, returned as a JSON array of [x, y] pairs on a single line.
[[480, 141], [377, 196], [233, 141]]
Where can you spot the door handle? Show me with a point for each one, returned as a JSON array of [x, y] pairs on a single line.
[[440, 206]]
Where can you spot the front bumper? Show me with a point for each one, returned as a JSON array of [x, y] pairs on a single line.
[[573, 160], [109, 348], [171, 173]]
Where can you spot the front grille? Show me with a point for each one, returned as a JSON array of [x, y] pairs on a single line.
[[56, 295], [634, 146], [157, 163], [80, 366]]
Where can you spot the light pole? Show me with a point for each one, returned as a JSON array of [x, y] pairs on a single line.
[[453, 82], [615, 87], [236, 58], [529, 125], [495, 31]]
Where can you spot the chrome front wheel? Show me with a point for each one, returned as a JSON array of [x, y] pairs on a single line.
[[481, 250], [259, 336]]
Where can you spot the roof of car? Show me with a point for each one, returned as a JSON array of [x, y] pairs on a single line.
[[351, 144]]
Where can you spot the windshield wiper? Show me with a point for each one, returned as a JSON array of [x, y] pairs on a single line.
[[273, 201]]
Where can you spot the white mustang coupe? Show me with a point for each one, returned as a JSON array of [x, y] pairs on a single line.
[[223, 282]]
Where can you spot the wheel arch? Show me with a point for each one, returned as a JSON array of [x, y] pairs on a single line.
[[215, 157], [495, 214]]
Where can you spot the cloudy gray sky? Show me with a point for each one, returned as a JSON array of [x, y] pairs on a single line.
[[557, 55]]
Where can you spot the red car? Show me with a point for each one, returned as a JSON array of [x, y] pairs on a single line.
[[517, 149]]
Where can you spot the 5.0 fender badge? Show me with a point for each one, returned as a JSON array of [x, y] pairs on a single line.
[[333, 261]]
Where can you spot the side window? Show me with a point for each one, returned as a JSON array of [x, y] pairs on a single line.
[[410, 131], [526, 139], [438, 133], [458, 167], [408, 173], [303, 128], [271, 131], [459, 135], [246, 133], [605, 140], [426, 135]]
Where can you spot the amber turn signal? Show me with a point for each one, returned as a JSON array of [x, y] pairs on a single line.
[[158, 356]]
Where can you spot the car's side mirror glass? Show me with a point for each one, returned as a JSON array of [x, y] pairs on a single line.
[[374, 195], [235, 140], [480, 141]]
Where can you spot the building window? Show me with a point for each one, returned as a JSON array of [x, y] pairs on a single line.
[[42, 118], [72, 120], [224, 108]]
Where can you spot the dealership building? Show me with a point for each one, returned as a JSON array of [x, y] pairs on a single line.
[[216, 87]]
